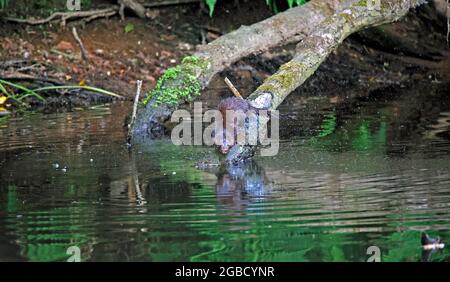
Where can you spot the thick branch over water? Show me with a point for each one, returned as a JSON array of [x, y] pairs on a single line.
[[290, 26], [314, 49]]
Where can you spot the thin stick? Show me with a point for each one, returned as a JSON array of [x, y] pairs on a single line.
[[27, 77], [66, 15], [448, 20], [232, 88], [136, 101], [84, 53], [133, 115], [170, 3]]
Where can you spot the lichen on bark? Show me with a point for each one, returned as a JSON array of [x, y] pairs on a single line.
[[285, 78]]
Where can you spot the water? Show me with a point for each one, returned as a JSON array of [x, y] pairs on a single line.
[[348, 176]]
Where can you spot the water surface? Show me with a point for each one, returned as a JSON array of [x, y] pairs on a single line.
[[349, 175]]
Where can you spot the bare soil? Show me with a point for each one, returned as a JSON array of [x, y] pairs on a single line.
[[403, 53]]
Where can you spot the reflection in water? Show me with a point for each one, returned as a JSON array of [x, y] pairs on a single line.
[[427, 255], [238, 185], [348, 176]]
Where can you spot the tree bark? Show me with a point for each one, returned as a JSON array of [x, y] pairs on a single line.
[[136, 7], [319, 25], [288, 27], [313, 50]]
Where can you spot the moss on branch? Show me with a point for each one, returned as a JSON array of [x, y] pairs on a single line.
[[285, 78], [180, 83]]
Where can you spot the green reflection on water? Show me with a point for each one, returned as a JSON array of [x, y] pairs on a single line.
[[195, 222]]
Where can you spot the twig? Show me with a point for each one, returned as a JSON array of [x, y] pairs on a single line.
[[203, 35], [232, 88], [65, 55], [135, 105], [26, 77], [84, 53], [212, 29], [64, 16], [15, 63], [26, 68], [448, 21], [170, 3], [104, 15], [122, 11]]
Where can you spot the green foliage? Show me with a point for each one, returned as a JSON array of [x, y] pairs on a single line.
[[171, 95], [21, 92], [3, 4], [193, 60], [211, 4], [271, 3], [178, 83], [297, 2], [129, 28], [25, 92]]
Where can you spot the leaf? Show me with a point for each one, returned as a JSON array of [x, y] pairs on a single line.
[[3, 4], [211, 4], [291, 3], [129, 28], [275, 7], [90, 88], [26, 90], [3, 90]]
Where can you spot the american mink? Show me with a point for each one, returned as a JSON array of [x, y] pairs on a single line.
[[232, 104]]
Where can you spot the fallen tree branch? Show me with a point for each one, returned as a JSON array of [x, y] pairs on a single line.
[[288, 27], [64, 16], [320, 27], [312, 51], [136, 7], [103, 15]]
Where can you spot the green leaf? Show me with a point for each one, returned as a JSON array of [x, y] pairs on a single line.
[[3, 4], [275, 7], [129, 27], [211, 4], [291, 3], [28, 91], [3, 90], [90, 88]]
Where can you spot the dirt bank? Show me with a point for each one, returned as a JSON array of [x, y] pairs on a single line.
[[394, 55], [120, 52]]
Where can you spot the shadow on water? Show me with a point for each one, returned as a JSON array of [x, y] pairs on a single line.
[[349, 175]]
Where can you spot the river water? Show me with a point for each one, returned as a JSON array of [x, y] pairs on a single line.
[[349, 175]]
